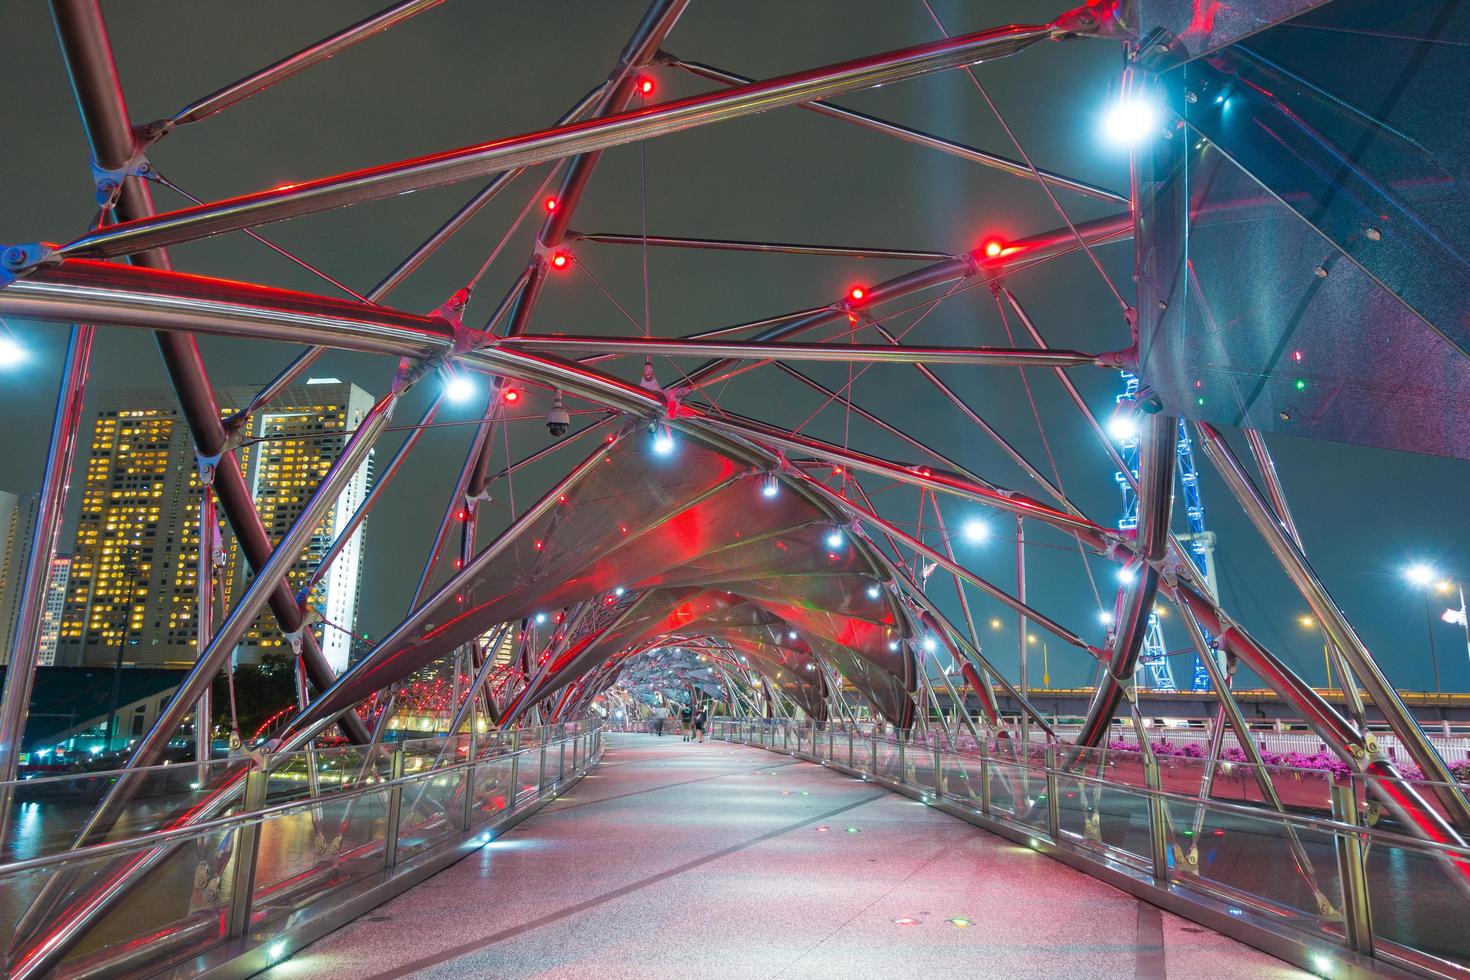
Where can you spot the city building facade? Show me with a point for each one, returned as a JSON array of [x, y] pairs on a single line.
[[133, 588], [17, 524]]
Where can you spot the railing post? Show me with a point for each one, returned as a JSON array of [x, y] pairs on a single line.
[[1357, 909], [850, 757], [1157, 820], [541, 772], [515, 769], [395, 811], [985, 778], [1053, 801], [902, 769], [247, 851], [468, 820]]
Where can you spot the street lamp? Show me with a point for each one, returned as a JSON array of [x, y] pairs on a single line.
[[1306, 623], [1421, 576], [1456, 616]]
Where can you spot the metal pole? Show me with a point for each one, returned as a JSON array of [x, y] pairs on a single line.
[[50, 512], [783, 248], [914, 136], [247, 854], [439, 169], [246, 610], [1384, 696], [1429, 632], [290, 65], [842, 353], [1352, 869], [104, 112], [1025, 678]]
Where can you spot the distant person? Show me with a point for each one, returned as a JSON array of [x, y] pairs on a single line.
[[660, 715], [701, 718], [686, 717]]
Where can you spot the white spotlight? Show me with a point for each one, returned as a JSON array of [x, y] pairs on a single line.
[[770, 486], [1419, 574], [619, 590], [11, 353], [834, 539], [975, 531], [1131, 120], [540, 617], [1123, 428], [663, 442], [459, 388], [1106, 618], [929, 643], [874, 592], [1127, 576]]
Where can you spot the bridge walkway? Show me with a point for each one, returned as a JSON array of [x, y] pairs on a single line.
[[679, 859]]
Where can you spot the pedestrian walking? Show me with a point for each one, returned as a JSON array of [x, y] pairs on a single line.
[[660, 715]]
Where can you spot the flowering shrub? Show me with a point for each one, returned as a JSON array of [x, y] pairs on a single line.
[[1324, 761]]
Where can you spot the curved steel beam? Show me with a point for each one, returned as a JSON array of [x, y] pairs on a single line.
[[481, 160]]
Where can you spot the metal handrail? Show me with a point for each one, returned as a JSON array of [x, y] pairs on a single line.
[[1354, 931], [150, 838]]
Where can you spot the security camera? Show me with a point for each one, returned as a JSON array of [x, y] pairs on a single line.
[[557, 420]]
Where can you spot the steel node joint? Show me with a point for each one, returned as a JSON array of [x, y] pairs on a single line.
[[20, 260]]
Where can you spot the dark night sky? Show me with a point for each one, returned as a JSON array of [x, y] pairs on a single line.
[[469, 71]]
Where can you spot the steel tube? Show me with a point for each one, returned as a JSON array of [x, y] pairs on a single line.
[[468, 210], [917, 137], [380, 481], [435, 170], [93, 71], [1384, 696], [1155, 503], [251, 604], [1277, 494], [892, 353], [376, 670], [50, 513], [1015, 503], [783, 248], [173, 302], [305, 58]]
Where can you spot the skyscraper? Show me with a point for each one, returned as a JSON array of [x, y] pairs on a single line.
[[51, 612], [134, 578], [17, 524], [299, 439]]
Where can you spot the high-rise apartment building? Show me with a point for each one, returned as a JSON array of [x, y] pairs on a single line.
[[134, 573], [51, 612], [17, 525], [299, 439]]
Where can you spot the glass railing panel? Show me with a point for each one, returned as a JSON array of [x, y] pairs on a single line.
[[1419, 898], [1257, 857], [313, 850], [431, 811], [166, 917]]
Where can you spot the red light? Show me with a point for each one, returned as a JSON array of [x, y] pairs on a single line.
[[463, 515], [836, 471], [459, 563], [1296, 355], [512, 395], [560, 260], [551, 204], [646, 86], [857, 292], [993, 248], [540, 545]]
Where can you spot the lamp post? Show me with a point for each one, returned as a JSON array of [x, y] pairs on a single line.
[[130, 574], [1452, 616], [1422, 576], [1306, 623]]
